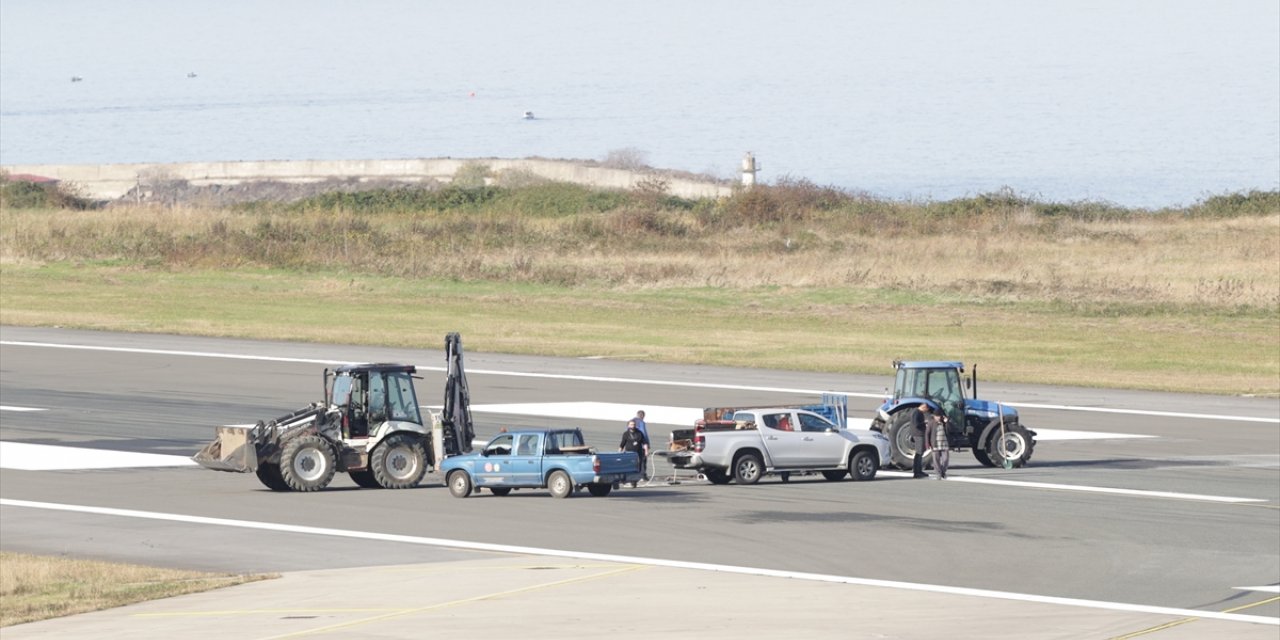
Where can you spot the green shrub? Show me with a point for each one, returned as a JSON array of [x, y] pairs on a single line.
[[21, 194]]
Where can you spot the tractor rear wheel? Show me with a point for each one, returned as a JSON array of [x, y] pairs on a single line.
[[364, 479], [399, 462], [269, 475], [307, 463], [901, 436], [1014, 446]]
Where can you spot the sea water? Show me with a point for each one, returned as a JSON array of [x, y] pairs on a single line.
[[1138, 102]]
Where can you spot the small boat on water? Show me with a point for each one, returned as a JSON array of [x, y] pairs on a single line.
[[76, 78], [528, 115]]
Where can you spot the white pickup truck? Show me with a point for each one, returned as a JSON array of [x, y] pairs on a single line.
[[746, 444]]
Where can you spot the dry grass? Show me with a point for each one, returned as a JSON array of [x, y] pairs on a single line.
[[1217, 264], [41, 587], [795, 277]]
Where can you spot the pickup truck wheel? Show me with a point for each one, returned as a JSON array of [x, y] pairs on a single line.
[[307, 463], [862, 465], [748, 468], [459, 484], [1015, 446], [901, 432], [269, 475], [560, 484], [716, 476], [599, 489], [501, 491], [399, 462], [364, 479], [834, 475]]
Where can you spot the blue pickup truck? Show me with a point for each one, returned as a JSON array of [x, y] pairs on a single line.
[[554, 459]]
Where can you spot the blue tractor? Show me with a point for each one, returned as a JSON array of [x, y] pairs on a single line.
[[992, 430]]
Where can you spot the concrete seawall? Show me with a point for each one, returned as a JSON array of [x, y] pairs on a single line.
[[111, 181]]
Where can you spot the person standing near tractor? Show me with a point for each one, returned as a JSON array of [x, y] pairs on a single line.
[[936, 438], [920, 423]]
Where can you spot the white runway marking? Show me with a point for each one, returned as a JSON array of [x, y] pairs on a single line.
[[684, 417], [635, 381], [654, 562], [43, 457], [1274, 588], [9, 408], [1125, 492]]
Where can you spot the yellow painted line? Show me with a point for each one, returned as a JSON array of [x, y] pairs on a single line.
[[1183, 621], [452, 603], [237, 612]]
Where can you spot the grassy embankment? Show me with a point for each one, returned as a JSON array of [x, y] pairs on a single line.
[[38, 587], [792, 276]]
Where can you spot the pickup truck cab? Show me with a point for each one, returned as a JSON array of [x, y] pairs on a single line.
[[743, 445], [554, 459]]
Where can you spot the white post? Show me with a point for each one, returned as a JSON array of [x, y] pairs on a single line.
[[749, 169]]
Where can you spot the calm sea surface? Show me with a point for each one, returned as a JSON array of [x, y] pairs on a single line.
[[1136, 102]]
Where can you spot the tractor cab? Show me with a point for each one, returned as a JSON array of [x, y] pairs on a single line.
[[935, 382], [368, 395]]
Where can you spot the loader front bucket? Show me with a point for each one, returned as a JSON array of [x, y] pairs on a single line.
[[230, 451]]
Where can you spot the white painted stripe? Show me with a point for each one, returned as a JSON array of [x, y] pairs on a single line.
[[1087, 489], [9, 408], [655, 562], [1144, 412], [1274, 588], [634, 381], [25, 456], [686, 416]]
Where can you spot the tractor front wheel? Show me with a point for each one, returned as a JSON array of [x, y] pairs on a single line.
[[1012, 448]]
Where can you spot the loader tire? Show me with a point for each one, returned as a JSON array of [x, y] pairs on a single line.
[[399, 462], [365, 479], [269, 475], [307, 463]]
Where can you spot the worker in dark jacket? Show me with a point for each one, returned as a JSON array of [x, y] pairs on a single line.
[[634, 440], [919, 422]]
